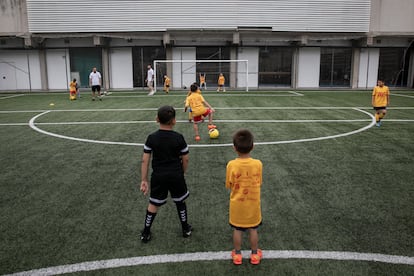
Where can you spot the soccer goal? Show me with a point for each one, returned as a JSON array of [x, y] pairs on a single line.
[[185, 72]]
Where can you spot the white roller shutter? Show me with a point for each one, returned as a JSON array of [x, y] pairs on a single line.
[[125, 15]]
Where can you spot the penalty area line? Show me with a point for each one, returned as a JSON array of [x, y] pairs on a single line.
[[219, 256]]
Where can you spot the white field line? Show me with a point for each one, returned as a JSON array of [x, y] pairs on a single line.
[[207, 95], [220, 255], [401, 95], [296, 93], [216, 108], [219, 121], [198, 145], [9, 97]]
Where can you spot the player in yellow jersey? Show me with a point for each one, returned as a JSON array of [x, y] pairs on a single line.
[[203, 83], [244, 179], [200, 109], [221, 80], [167, 82], [380, 101], [187, 105], [73, 89]]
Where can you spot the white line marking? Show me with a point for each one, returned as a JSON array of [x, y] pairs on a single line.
[[9, 97], [219, 121], [296, 93], [14, 124], [217, 108], [220, 255], [34, 127], [401, 95], [210, 95]]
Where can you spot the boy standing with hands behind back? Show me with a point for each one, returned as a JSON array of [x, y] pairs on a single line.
[[244, 179]]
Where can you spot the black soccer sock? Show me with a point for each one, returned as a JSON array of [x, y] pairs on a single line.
[[149, 219], [182, 213]]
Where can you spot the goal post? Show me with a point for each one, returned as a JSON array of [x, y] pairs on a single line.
[[185, 72]]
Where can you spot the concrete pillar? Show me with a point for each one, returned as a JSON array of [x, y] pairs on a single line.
[[105, 69], [43, 70], [294, 72], [233, 67], [356, 54], [169, 65]]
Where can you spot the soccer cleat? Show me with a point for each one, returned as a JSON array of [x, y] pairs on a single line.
[[255, 258], [187, 231], [237, 258], [197, 138], [145, 237], [151, 93], [211, 126]]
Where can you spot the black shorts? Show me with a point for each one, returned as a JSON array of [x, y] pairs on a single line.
[[96, 88], [380, 107], [244, 229], [162, 184]]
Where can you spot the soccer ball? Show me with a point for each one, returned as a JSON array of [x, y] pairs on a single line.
[[214, 133]]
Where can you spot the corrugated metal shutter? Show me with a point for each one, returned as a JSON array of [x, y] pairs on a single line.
[[125, 16]]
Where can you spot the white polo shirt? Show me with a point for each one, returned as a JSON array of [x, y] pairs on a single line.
[[95, 78]]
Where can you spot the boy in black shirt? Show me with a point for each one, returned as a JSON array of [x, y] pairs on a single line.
[[169, 163]]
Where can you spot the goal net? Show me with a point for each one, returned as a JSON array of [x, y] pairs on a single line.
[[185, 72]]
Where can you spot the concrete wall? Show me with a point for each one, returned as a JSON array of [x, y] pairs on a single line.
[[13, 17], [392, 16]]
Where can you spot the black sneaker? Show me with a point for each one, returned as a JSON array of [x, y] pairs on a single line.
[[187, 231], [145, 237]]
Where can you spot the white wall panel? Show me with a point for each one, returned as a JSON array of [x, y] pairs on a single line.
[[309, 67], [128, 15], [121, 68], [368, 67], [184, 74], [19, 70], [252, 55], [58, 74]]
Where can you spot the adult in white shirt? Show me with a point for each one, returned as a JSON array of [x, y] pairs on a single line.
[[150, 80], [95, 83]]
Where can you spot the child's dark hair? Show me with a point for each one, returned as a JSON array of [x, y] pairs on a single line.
[[194, 87], [243, 140], [74, 80], [166, 114]]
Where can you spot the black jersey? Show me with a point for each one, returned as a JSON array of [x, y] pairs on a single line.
[[166, 147]]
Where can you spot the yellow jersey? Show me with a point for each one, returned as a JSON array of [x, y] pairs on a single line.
[[380, 96], [244, 179], [167, 81], [221, 80], [196, 102], [72, 86], [202, 79]]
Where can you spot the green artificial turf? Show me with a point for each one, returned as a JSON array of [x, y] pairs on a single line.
[[66, 201]]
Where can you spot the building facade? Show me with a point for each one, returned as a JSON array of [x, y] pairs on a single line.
[[287, 43]]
